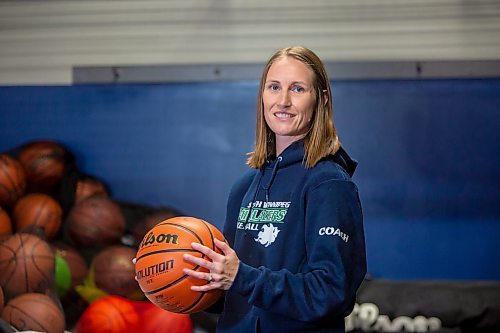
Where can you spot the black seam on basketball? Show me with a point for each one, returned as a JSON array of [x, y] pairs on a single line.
[[211, 234], [30, 317], [39, 257], [46, 277], [26, 288], [39, 212], [9, 277], [166, 251], [195, 303]]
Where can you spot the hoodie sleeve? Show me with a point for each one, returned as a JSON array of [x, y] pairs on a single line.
[[335, 265]]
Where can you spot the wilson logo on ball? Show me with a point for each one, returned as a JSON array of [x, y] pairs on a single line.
[[161, 238], [155, 269]]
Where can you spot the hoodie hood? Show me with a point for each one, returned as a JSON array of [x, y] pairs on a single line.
[[295, 154]]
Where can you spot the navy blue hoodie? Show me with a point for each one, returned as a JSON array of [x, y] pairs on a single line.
[[299, 236]]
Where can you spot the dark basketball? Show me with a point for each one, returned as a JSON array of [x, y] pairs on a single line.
[[96, 221], [5, 225], [38, 211], [27, 264], [88, 186], [44, 162], [12, 180], [34, 312], [114, 271]]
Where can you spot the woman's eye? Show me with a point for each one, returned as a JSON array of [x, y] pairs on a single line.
[[298, 89], [274, 87]]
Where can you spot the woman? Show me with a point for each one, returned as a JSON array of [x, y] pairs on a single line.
[[296, 253]]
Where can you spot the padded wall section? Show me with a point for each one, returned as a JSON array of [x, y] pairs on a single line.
[[428, 153]]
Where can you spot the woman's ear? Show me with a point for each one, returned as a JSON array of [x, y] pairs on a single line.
[[325, 97]]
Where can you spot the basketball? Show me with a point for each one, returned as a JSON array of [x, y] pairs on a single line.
[[111, 314], [34, 312], [38, 211], [27, 264], [114, 271], [5, 225], [44, 162], [77, 265], [88, 186], [160, 263], [12, 180], [96, 221]]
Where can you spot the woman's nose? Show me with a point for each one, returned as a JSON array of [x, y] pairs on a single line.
[[285, 99]]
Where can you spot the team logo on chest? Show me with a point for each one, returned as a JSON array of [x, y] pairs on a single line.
[[267, 234], [264, 217]]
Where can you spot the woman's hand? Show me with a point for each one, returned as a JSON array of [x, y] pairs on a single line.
[[222, 269]]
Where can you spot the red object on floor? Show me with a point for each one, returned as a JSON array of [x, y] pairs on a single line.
[[118, 314]]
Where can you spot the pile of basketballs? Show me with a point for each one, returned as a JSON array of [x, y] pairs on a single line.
[[66, 249]]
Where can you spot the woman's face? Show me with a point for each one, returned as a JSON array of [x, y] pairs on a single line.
[[289, 99]]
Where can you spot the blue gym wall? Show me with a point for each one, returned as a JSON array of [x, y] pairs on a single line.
[[428, 153]]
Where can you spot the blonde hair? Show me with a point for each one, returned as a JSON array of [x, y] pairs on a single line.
[[321, 140]]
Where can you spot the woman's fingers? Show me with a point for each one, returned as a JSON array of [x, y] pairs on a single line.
[[212, 280], [223, 246], [207, 251], [207, 276], [222, 268], [200, 261]]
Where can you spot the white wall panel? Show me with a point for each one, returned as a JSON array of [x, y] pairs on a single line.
[[41, 41]]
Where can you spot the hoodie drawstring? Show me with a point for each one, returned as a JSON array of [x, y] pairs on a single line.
[[273, 174], [266, 187]]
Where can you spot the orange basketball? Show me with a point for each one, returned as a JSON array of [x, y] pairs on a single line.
[[27, 264], [96, 221], [114, 271], [5, 225], [38, 211], [34, 312], [111, 314], [160, 263], [44, 162], [12, 180]]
